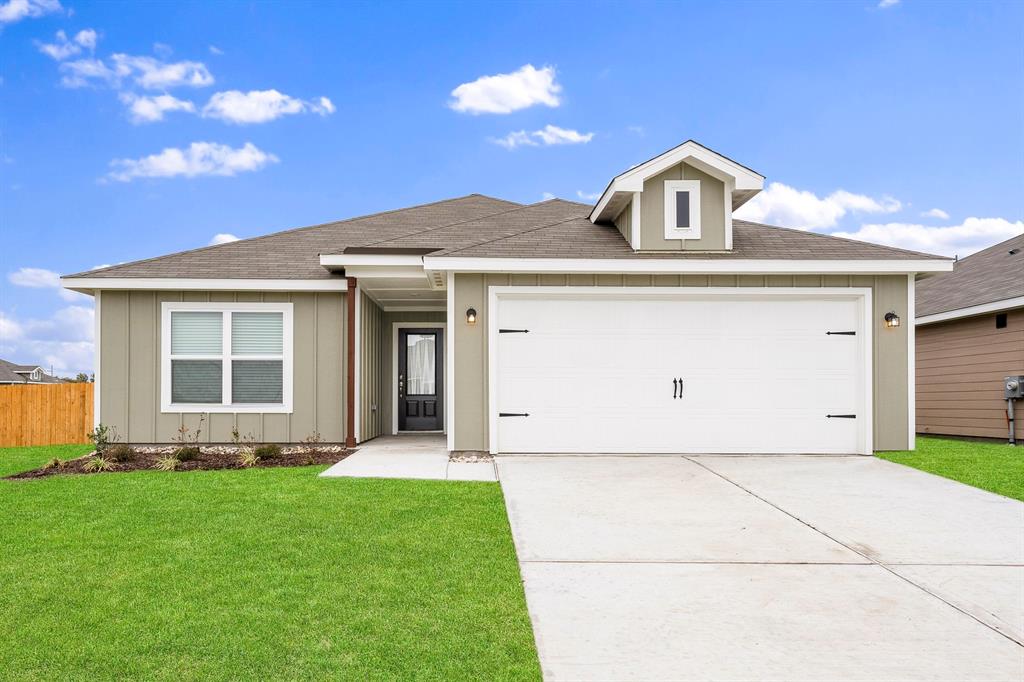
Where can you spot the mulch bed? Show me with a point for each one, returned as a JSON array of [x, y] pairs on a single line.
[[210, 457]]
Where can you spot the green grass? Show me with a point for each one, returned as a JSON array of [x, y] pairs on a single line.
[[995, 467], [13, 460], [256, 574]]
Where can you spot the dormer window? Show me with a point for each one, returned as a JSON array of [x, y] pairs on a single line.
[[682, 209], [37, 374]]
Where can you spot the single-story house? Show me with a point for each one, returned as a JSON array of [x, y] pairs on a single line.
[[11, 373], [650, 322], [970, 336]]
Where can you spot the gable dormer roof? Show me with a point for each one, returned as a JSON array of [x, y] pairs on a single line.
[[743, 182]]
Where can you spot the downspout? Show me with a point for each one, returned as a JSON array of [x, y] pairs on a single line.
[[350, 364]]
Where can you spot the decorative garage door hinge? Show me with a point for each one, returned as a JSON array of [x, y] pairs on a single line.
[[513, 331], [840, 416], [840, 333], [513, 414]]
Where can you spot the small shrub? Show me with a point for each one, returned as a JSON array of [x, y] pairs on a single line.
[[268, 451], [119, 453], [312, 442], [247, 458], [310, 459], [168, 463], [103, 436], [186, 453], [98, 463], [54, 464]]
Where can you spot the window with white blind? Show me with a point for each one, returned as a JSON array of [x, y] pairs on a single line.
[[226, 357]]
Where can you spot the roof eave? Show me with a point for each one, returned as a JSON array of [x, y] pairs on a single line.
[[971, 311]]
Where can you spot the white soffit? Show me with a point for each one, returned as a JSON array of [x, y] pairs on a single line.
[[746, 183]]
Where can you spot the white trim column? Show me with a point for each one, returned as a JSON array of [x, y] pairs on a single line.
[[449, 365], [911, 365]]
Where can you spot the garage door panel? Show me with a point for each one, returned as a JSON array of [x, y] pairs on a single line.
[[758, 375]]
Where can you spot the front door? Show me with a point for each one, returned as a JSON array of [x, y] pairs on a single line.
[[420, 372]]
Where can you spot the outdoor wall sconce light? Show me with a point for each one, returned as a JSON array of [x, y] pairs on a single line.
[[892, 320], [471, 316]]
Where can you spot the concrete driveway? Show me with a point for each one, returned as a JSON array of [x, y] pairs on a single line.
[[765, 568]]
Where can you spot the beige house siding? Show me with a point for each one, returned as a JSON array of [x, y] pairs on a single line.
[[891, 425], [712, 212], [960, 370], [129, 386]]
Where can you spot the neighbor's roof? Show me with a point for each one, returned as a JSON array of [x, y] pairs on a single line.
[[9, 373], [475, 226], [992, 275]]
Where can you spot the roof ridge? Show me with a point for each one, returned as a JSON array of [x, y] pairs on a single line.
[[280, 232], [842, 239], [990, 248], [509, 236]]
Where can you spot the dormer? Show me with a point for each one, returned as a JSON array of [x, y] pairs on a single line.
[[681, 200]]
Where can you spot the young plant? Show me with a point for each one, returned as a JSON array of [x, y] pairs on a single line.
[[54, 463], [103, 436], [167, 463], [268, 451], [312, 442], [247, 458], [98, 463], [188, 442], [119, 453]]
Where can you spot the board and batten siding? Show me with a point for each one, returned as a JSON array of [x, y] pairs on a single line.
[[130, 333], [960, 369], [889, 352], [712, 212], [377, 355]]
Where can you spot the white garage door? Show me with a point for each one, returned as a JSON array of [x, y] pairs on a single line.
[[738, 373]]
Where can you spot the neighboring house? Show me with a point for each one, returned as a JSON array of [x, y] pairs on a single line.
[[970, 334], [651, 322], [11, 373]]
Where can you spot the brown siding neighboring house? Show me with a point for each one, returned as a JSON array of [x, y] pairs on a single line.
[[970, 334]]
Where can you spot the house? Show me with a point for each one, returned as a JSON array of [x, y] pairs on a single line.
[[970, 335], [650, 322], [11, 373]]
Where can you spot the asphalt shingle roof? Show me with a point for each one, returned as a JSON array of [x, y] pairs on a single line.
[[475, 226], [994, 274], [9, 374]]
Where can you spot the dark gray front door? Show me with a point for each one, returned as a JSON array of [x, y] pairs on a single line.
[[420, 374]]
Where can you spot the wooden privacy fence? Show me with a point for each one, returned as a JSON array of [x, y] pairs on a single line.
[[45, 414]]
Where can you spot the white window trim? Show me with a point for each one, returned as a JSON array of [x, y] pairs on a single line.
[[671, 231], [496, 294], [287, 357]]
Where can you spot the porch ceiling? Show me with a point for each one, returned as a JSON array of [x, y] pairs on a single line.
[[403, 292]]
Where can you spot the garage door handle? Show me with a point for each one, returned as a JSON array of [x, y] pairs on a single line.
[[675, 387], [513, 414], [840, 416], [513, 331], [840, 333]]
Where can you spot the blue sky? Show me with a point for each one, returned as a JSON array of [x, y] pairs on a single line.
[[146, 128]]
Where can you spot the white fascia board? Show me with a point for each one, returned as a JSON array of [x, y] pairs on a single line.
[[87, 285], [389, 271], [687, 266], [342, 260], [689, 152], [969, 311]]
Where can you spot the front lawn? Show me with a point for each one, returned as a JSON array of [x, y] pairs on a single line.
[[995, 467], [14, 460], [256, 574]]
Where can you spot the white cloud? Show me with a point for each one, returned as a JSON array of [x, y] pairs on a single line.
[[216, 50], [40, 278], [783, 205], [62, 48], [223, 238], [885, 4], [144, 109], [64, 340], [260, 106], [152, 73], [200, 158], [16, 10], [587, 196], [935, 213], [636, 130], [508, 92], [964, 239], [163, 49], [547, 196], [83, 72], [548, 135]]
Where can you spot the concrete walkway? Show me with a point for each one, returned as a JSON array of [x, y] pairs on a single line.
[[421, 456], [765, 568]]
